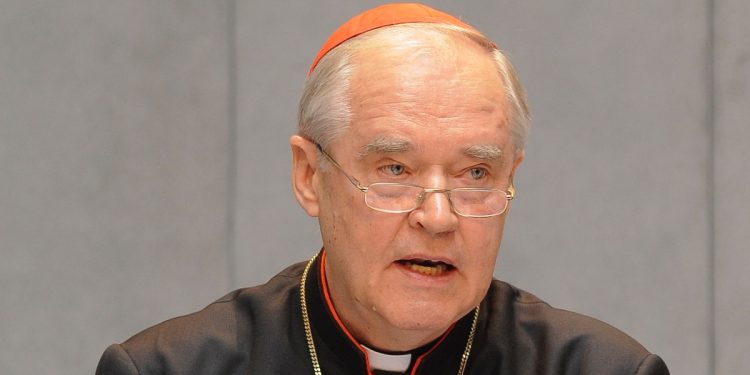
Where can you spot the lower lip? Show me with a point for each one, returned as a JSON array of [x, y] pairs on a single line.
[[442, 278]]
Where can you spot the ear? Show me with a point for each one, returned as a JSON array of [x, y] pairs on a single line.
[[304, 170], [517, 159]]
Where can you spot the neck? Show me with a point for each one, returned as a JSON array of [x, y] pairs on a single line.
[[389, 340]]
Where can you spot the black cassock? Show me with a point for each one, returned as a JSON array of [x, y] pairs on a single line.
[[259, 331]]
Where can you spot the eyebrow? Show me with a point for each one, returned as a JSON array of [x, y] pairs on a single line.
[[484, 152], [384, 144]]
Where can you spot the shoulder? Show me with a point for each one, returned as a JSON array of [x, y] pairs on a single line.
[[215, 337], [565, 341]]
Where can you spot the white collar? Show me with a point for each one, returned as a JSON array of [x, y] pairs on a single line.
[[388, 362]]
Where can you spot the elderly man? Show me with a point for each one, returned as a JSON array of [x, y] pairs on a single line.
[[411, 127]]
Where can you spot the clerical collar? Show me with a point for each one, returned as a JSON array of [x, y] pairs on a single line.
[[388, 362]]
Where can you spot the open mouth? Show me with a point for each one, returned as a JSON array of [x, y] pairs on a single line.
[[427, 267]]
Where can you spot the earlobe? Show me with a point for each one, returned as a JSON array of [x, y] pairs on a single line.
[[304, 170]]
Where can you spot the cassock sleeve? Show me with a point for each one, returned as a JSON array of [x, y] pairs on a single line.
[[652, 365], [116, 361]]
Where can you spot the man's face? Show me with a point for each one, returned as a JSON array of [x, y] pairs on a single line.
[[435, 120]]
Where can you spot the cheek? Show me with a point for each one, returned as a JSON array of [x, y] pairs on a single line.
[[352, 229], [337, 209], [483, 238]]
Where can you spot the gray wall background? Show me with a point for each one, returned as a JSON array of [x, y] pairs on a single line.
[[144, 165]]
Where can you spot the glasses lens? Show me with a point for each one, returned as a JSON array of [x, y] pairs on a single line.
[[392, 197], [476, 202]]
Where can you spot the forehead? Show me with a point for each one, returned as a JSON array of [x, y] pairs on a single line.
[[434, 89]]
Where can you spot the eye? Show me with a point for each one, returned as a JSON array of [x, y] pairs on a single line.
[[393, 169], [477, 173]]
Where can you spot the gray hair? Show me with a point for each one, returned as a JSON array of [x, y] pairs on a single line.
[[325, 106]]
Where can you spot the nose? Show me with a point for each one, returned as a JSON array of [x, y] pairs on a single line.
[[434, 214]]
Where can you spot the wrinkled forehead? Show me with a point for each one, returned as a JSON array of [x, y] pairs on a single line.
[[426, 77], [409, 56]]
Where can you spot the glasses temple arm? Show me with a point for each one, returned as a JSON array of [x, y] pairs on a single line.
[[351, 179]]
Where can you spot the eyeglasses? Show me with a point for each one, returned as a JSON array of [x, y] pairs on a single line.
[[393, 197]]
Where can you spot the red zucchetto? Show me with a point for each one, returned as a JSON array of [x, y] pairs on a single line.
[[385, 15]]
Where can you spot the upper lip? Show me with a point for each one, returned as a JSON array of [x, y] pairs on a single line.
[[431, 258]]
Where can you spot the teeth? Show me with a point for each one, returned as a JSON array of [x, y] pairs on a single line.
[[435, 270]]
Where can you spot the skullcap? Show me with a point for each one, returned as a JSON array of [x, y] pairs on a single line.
[[385, 15]]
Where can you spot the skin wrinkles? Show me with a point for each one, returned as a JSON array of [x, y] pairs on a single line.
[[401, 107], [405, 109], [435, 114], [448, 124], [390, 145], [402, 152]]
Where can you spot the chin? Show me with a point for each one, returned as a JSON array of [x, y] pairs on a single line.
[[428, 317]]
